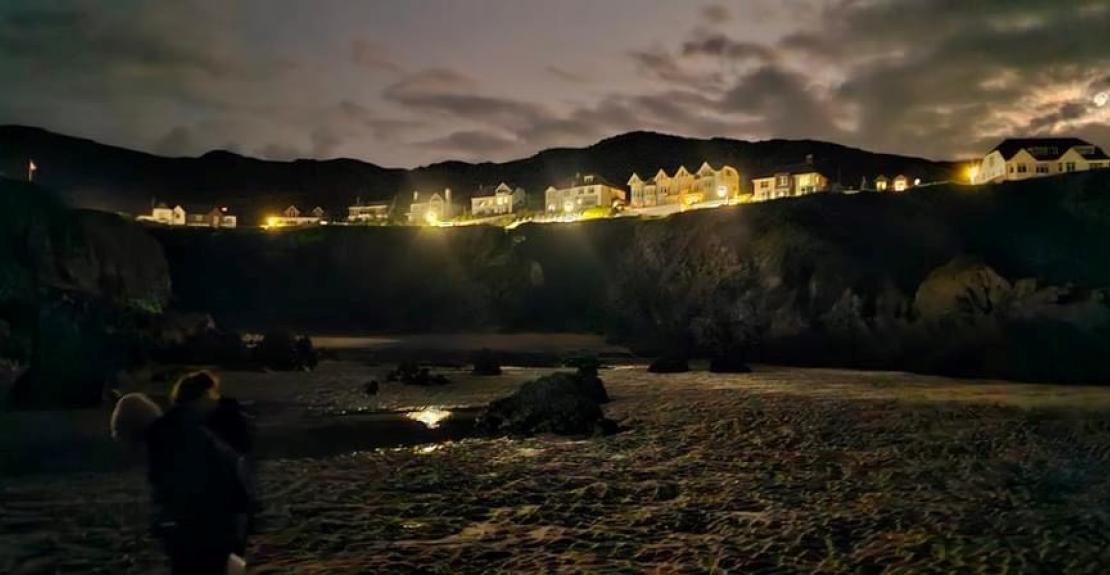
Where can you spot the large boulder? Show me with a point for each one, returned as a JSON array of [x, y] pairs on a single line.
[[206, 347], [485, 363], [669, 364], [283, 351], [965, 290], [560, 403], [412, 373]]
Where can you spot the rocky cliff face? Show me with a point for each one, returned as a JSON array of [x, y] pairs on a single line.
[[1004, 281], [74, 287]]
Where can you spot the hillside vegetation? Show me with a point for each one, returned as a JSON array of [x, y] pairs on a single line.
[[1008, 280]]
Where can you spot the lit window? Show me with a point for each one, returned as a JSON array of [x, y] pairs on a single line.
[[1042, 168]]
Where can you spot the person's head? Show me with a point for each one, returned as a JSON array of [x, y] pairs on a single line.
[[195, 386], [132, 416]]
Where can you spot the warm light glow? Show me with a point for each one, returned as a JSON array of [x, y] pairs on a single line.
[[972, 173], [429, 416], [431, 217], [722, 191], [273, 222]]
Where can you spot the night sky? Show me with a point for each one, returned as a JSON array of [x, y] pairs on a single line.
[[407, 82]]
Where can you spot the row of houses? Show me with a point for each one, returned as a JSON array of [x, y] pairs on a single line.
[[217, 217], [1013, 159], [1024, 158]]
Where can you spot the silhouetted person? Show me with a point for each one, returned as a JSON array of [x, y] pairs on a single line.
[[199, 484]]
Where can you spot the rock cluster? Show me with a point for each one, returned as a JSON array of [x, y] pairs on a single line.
[[411, 373], [560, 403]]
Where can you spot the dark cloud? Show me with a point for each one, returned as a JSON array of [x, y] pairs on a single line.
[[722, 46], [782, 102], [76, 38], [473, 143], [373, 57], [939, 78], [568, 75], [664, 66], [452, 93]]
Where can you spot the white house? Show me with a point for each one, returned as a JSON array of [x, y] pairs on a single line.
[[788, 182], [292, 216], [583, 192], [1023, 158], [502, 201], [365, 213], [178, 216], [431, 209], [163, 214], [685, 188]]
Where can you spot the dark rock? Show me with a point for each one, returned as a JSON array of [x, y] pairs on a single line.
[[590, 385], [729, 363], [74, 357], [208, 347], [485, 363], [964, 289], [410, 373], [370, 387], [282, 351], [559, 403], [669, 364], [587, 365]]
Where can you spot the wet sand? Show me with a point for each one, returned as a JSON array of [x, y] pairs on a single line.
[[780, 471]]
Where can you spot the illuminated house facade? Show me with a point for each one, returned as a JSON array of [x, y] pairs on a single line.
[[431, 209], [684, 187], [292, 216], [163, 214], [1024, 158], [178, 216], [503, 200], [584, 192], [788, 182], [899, 183], [366, 213]]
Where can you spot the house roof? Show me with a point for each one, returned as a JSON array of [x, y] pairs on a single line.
[[792, 169], [1046, 148], [502, 188], [580, 180]]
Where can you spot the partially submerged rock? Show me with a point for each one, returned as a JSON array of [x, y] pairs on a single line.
[[669, 364], [410, 373], [560, 403], [485, 363], [283, 351]]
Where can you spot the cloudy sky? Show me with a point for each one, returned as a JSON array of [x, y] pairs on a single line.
[[408, 82]]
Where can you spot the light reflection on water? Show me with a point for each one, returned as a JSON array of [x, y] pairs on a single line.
[[429, 416]]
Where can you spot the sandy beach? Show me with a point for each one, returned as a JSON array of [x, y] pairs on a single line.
[[779, 471]]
